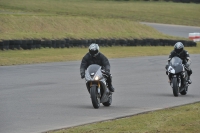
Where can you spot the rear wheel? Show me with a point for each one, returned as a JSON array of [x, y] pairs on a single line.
[[175, 87], [95, 97], [108, 103]]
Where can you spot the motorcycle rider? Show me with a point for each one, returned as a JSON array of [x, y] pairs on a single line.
[[184, 55], [95, 57]]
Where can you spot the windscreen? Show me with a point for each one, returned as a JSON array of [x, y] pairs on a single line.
[[93, 68], [175, 61]]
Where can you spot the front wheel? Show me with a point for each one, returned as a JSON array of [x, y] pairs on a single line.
[[175, 87], [95, 97]]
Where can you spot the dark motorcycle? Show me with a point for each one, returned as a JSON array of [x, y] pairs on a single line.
[[97, 86], [179, 76]]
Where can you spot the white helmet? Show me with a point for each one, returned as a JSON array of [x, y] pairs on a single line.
[[94, 49], [178, 47]]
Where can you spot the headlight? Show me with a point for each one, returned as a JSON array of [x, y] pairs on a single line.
[[96, 78], [171, 70]]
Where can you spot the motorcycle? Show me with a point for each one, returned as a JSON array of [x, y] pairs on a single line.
[[97, 86], [178, 76]]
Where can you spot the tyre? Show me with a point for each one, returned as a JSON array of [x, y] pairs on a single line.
[[6, 44], [95, 97], [37, 43], [108, 103], [175, 87], [18, 44], [24, 44], [49, 44], [30, 44], [54, 43], [12, 44]]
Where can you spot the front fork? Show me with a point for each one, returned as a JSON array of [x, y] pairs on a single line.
[[181, 78], [98, 87], [178, 79]]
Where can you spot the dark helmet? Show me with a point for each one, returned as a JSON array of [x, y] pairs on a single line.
[[178, 47], [94, 49]]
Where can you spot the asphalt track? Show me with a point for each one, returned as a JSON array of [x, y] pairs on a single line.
[[41, 97], [174, 30]]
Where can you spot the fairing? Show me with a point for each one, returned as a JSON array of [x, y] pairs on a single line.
[[92, 72], [176, 65]]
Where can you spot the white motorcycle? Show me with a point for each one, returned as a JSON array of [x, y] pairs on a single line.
[[179, 76]]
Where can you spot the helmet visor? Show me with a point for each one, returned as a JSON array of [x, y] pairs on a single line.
[[179, 50], [93, 52]]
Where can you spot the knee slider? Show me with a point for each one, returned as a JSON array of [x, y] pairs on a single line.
[[189, 72]]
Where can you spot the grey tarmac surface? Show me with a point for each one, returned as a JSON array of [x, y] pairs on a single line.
[[42, 97], [174, 30]]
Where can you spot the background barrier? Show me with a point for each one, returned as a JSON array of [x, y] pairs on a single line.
[[67, 43], [194, 36], [179, 1]]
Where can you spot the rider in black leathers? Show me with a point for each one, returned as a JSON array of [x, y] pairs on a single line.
[[184, 55], [95, 57]]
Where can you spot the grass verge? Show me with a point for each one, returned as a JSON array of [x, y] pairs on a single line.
[[21, 19], [54, 27], [161, 12], [183, 119], [17, 57]]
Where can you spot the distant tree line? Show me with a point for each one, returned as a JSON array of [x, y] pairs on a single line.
[[181, 1]]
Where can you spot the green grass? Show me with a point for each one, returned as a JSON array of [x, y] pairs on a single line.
[[21, 19], [69, 27], [183, 119], [162, 12], [16, 57]]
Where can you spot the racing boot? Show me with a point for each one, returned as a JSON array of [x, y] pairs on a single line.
[[189, 80], [189, 74], [169, 79], [110, 87], [109, 82]]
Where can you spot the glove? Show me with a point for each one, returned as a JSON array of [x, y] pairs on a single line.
[[166, 67], [166, 72], [187, 65], [82, 75]]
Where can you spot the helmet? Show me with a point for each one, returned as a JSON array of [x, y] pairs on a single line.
[[178, 47], [94, 49]]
